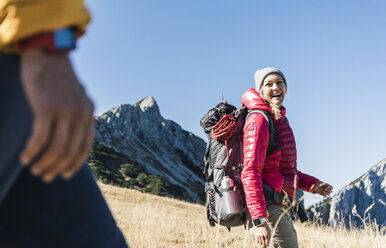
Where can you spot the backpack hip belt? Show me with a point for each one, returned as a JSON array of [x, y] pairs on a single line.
[[272, 197]]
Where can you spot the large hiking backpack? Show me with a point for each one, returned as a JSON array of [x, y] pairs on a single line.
[[223, 126]]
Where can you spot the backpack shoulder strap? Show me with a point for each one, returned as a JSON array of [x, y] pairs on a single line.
[[263, 112], [272, 141]]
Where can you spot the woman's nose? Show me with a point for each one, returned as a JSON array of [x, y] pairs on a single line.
[[275, 86]]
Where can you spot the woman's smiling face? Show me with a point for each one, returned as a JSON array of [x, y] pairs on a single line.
[[274, 89]]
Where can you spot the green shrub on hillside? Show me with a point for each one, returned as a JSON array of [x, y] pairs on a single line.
[[111, 167], [129, 170]]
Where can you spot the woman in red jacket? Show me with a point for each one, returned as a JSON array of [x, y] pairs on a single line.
[[277, 171]]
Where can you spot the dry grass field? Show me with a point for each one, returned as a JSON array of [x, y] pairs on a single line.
[[150, 221]]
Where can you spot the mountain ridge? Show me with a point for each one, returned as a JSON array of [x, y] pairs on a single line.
[[161, 146], [366, 195]]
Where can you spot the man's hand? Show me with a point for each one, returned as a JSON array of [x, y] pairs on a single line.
[[322, 188], [62, 129], [263, 234]]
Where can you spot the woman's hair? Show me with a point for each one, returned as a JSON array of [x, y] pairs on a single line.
[[276, 111]]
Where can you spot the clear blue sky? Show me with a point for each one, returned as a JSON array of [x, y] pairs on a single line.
[[186, 54]]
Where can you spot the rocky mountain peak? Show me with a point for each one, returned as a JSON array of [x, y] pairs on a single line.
[[160, 145], [147, 103]]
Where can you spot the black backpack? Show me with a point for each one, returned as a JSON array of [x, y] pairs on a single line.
[[223, 126]]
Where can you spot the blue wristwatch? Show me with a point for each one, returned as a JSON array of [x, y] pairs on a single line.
[[60, 40]]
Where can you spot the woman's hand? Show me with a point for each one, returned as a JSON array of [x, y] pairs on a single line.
[[263, 234], [322, 188]]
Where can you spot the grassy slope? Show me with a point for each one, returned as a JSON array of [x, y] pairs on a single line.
[[153, 221]]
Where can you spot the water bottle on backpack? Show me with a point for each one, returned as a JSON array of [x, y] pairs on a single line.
[[229, 199]]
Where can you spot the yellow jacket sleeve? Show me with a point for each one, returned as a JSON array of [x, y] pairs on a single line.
[[23, 18]]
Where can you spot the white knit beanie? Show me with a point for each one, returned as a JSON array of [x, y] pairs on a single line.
[[261, 74]]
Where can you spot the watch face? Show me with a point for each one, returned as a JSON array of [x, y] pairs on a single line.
[[64, 39], [259, 221], [256, 222]]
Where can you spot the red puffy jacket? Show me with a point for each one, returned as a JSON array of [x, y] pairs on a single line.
[[278, 170]]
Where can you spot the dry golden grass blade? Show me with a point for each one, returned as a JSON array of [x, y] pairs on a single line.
[[368, 209], [354, 211]]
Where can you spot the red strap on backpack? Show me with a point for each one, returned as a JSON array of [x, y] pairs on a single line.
[[224, 129]]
